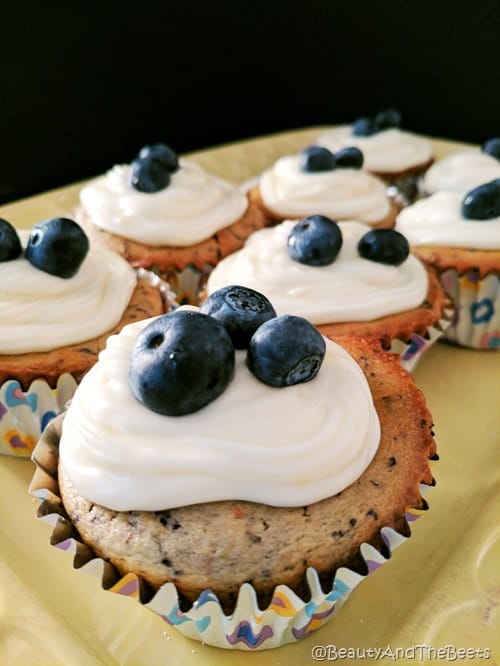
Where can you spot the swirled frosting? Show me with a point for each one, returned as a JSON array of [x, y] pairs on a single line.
[[461, 171], [389, 151], [40, 312], [437, 220], [349, 289], [194, 206], [282, 447], [341, 194]]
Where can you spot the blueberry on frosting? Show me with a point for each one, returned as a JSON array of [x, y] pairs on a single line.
[[364, 127], [385, 246], [10, 245], [483, 202], [383, 120], [315, 241], [492, 147], [152, 169], [240, 310], [57, 246], [181, 362], [350, 158], [317, 158], [286, 350]]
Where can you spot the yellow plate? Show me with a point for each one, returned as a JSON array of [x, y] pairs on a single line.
[[437, 599]]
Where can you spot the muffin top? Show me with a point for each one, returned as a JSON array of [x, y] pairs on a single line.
[[190, 208], [444, 219], [350, 288], [40, 311], [339, 193], [287, 446], [391, 150]]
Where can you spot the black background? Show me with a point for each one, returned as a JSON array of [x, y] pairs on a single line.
[[84, 86]]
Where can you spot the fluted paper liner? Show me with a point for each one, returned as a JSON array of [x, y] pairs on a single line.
[[287, 619], [25, 414]]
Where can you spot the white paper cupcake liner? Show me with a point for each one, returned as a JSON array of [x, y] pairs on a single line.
[[476, 323], [287, 619]]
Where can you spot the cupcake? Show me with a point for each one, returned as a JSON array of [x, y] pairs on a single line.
[[315, 181], [395, 155], [464, 170], [60, 299], [459, 236], [253, 490], [168, 215], [345, 278]]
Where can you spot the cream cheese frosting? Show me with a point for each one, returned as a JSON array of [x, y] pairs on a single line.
[[190, 209], [280, 446], [437, 220], [389, 151], [461, 171], [40, 312], [340, 194], [349, 289]]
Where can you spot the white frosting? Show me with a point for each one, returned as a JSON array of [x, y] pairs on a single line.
[[389, 151], [341, 194], [194, 206], [349, 289], [461, 171], [40, 312], [437, 220], [279, 446]]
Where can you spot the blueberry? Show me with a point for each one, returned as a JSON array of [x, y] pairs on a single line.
[[364, 127], [240, 310], [10, 245], [57, 246], [180, 362], [388, 118], [483, 202], [317, 158], [286, 350], [385, 246], [163, 154], [148, 175], [315, 241], [492, 147], [350, 157]]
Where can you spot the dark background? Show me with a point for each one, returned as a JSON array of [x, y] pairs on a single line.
[[83, 87]]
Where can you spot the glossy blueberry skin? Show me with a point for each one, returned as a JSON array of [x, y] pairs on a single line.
[[349, 158], [10, 245], [492, 147], [483, 202], [388, 118], [385, 246], [364, 127], [161, 153], [317, 158], [180, 362], [57, 246], [148, 175], [240, 310], [286, 350], [315, 241]]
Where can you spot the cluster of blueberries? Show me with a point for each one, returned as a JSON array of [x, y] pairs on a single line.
[[152, 168], [383, 120], [317, 240], [318, 158], [57, 246], [185, 359]]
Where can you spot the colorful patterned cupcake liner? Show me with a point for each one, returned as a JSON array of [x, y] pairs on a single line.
[[476, 323], [287, 619], [411, 351], [25, 414]]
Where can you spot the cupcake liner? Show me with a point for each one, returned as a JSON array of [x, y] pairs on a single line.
[[476, 323], [25, 414], [187, 283], [412, 350], [287, 619]]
